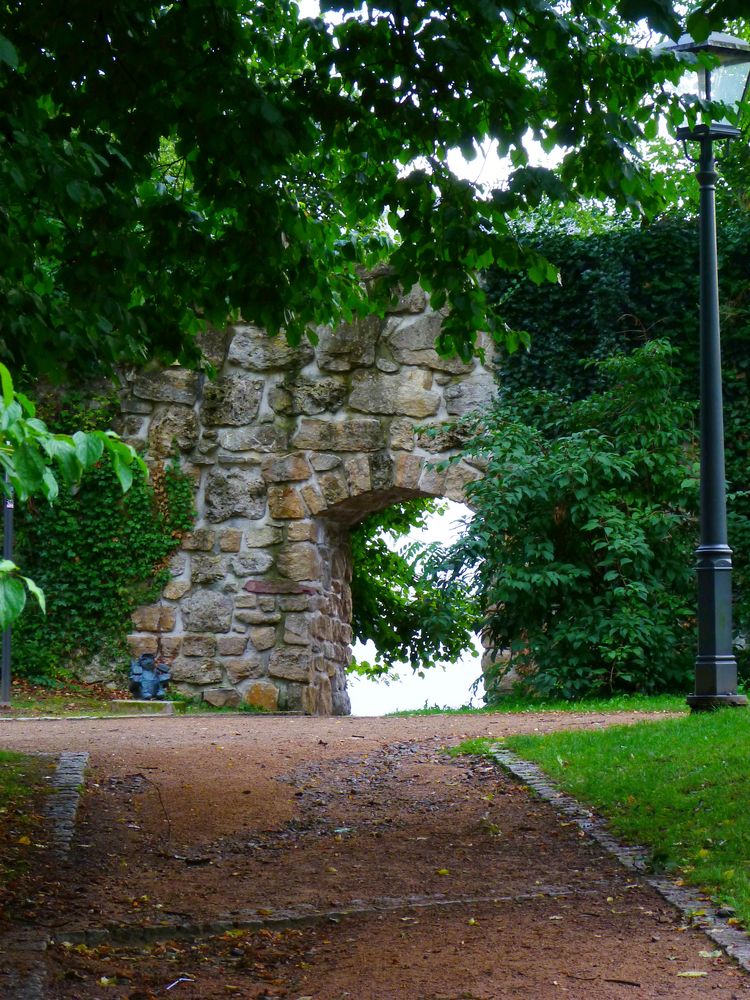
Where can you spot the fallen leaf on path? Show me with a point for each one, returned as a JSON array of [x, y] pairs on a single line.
[[691, 975]]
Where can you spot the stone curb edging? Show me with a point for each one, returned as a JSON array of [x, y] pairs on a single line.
[[697, 910], [60, 812]]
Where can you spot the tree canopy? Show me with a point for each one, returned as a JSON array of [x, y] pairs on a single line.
[[166, 164]]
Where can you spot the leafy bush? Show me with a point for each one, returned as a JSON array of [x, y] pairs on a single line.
[[581, 543]]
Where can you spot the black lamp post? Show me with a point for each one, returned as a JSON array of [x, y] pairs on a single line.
[[726, 80]]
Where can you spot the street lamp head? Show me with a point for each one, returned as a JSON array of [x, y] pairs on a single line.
[[724, 80]]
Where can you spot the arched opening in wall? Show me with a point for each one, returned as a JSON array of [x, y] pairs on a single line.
[[404, 687]]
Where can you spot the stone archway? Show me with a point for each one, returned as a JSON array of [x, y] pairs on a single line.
[[289, 448]]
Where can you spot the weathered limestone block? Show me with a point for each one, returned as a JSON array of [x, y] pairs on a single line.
[[248, 563], [213, 344], [402, 435], [232, 400], [350, 345], [207, 569], [240, 668], [313, 498], [262, 694], [222, 697], [457, 478], [256, 538], [285, 502], [317, 698], [290, 664], [290, 468], [253, 349], [361, 434], [207, 611], [230, 540], [173, 385], [308, 396], [302, 531], [140, 644], [173, 428], [333, 486], [409, 392], [324, 463], [252, 616], [299, 561], [202, 540], [199, 645], [154, 618], [235, 493], [231, 645], [413, 301], [412, 342], [193, 671], [264, 438], [470, 394], [176, 589], [407, 470], [358, 474], [381, 470], [263, 637], [297, 630]]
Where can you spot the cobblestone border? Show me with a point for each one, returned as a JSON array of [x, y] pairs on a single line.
[[697, 910], [61, 807]]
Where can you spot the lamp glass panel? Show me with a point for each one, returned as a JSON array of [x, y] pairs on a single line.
[[728, 83]]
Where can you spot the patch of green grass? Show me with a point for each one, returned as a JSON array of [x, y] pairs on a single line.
[[22, 786], [680, 787], [526, 703]]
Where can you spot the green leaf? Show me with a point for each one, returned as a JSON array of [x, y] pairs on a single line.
[[37, 592], [12, 600], [89, 448], [8, 54], [123, 473], [7, 385]]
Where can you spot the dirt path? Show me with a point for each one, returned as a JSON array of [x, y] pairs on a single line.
[[338, 858]]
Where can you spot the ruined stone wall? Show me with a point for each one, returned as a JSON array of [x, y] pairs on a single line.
[[290, 447]]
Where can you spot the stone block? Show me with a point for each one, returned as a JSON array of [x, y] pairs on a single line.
[[249, 563], [178, 564], [251, 616], [240, 668], [254, 349], [230, 540], [222, 697], [469, 394], [413, 301], [358, 478], [235, 493], [263, 638], [213, 344], [207, 611], [409, 392], [402, 435], [302, 531], [246, 601], [412, 342], [294, 602], [196, 671], [231, 645], [173, 428], [290, 468], [313, 498], [290, 664], [264, 438], [207, 569], [381, 470], [299, 561], [297, 630], [172, 385], [407, 470], [290, 695], [169, 645], [317, 699], [334, 487], [231, 401], [432, 481], [200, 540], [457, 477], [267, 602], [154, 618], [256, 538], [309, 396], [324, 463], [140, 644], [175, 590], [359, 434], [350, 345], [199, 645], [285, 503], [262, 694]]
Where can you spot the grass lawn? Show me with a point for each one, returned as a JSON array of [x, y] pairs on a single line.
[[527, 703], [680, 787], [23, 786]]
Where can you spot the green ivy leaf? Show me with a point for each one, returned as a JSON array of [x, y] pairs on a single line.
[[12, 600]]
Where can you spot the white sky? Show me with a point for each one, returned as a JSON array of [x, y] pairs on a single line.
[[446, 688]]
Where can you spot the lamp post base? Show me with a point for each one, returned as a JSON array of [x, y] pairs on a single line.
[[708, 702]]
